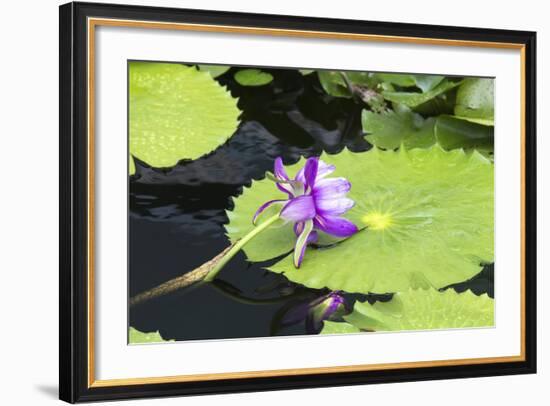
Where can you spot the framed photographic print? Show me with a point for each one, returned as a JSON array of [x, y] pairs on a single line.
[[254, 202]]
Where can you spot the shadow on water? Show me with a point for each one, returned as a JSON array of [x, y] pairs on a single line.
[[177, 216]]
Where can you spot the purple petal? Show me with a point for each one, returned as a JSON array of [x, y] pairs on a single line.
[[333, 207], [298, 228], [300, 208], [324, 169], [263, 207], [331, 304], [336, 226], [285, 188], [331, 188], [313, 237], [310, 172], [279, 169], [301, 243], [280, 174]]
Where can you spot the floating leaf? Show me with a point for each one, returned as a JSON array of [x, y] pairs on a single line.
[[424, 310], [413, 99], [483, 121], [365, 79], [214, 70], [138, 337], [177, 112], [452, 133], [441, 104], [391, 128], [427, 82], [332, 327], [306, 72], [429, 219], [475, 99], [253, 77], [399, 79], [333, 83], [423, 82]]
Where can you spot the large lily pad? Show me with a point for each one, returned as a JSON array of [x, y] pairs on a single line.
[[333, 327], [427, 216], [177, 112], [422, 310]]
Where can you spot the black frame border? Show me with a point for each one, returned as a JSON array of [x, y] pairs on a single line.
[[73, 289]]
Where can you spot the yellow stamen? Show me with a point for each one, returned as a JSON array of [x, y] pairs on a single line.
[[377, 221]]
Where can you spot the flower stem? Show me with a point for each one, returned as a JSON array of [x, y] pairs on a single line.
[[238, 246], [206, 272]]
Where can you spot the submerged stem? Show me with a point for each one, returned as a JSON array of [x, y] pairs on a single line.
[[206, 272], [188, 279]]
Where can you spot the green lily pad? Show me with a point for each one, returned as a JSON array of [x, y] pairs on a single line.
[[423, 82], [452, 132], [176, 112], [475, 99], [138, 337], [332, 327], [399, 79], [483, 121], [253, 77], [427, 219], [424, 310], [333, 83], [214, 70], [392, 128], [427, 82], [413, 99]]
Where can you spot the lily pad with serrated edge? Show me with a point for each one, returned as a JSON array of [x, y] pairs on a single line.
[[138, 337], [176, 112], [419, 309], [427, 216]]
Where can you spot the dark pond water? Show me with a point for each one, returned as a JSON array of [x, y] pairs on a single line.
[[177, 216]]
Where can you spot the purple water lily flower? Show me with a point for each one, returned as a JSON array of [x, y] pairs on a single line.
[[314, 202]]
